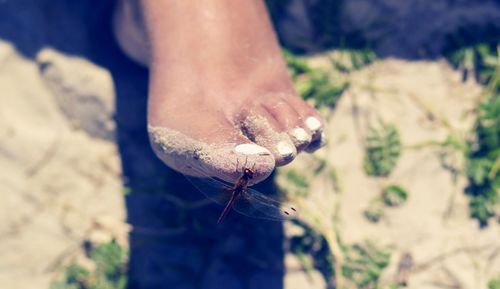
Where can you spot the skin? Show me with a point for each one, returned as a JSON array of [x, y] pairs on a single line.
[[217, 81]]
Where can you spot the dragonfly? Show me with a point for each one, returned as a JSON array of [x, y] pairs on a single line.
[[240, 197]]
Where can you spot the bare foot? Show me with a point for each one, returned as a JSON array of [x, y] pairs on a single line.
[[220, 94]]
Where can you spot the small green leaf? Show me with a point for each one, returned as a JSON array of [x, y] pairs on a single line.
[[383, 148], [364, 263], [375, 211], [494, 283], [394, 195]]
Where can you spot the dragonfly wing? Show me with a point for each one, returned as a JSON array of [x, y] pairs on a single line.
[[212, 188], [250, 203], [257, 205]]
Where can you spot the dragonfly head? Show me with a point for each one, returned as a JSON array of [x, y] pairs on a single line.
[[247, 174]]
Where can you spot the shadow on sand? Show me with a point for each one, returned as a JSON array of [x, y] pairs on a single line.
[[175, 242]]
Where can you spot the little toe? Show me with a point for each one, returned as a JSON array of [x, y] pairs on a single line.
[[312, 121], [320, 142], [316, 126]]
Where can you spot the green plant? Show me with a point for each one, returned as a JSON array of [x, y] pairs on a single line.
[[483, 169], [480, 61], [357, 59], [75, 278], [296, 65], [318, 85], [375, 210], [494, 283], [299, 184], [109, 272], [394, 195], [483, 153], [383, 147], [364, 264], [312, 250], [320, 217]]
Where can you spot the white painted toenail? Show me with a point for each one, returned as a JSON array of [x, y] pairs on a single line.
[[301, 135], [285, 149], [251, 149], [313, 123]]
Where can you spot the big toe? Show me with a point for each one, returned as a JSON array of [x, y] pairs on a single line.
[[224, 158]]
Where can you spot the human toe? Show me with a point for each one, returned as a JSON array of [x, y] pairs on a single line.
[[262, 127], [225, 160]]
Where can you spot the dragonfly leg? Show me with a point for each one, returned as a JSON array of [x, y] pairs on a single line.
[[245, 165]]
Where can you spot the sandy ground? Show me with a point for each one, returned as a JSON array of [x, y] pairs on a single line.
[[62, 162], [426, 101], [61, 175]]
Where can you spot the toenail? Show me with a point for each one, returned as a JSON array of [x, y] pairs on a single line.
[[315, 145], [251, 149], [301, 135], [285, 149], [313, 123]]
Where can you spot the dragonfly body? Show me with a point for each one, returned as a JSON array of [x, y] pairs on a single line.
[[239, 190]]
